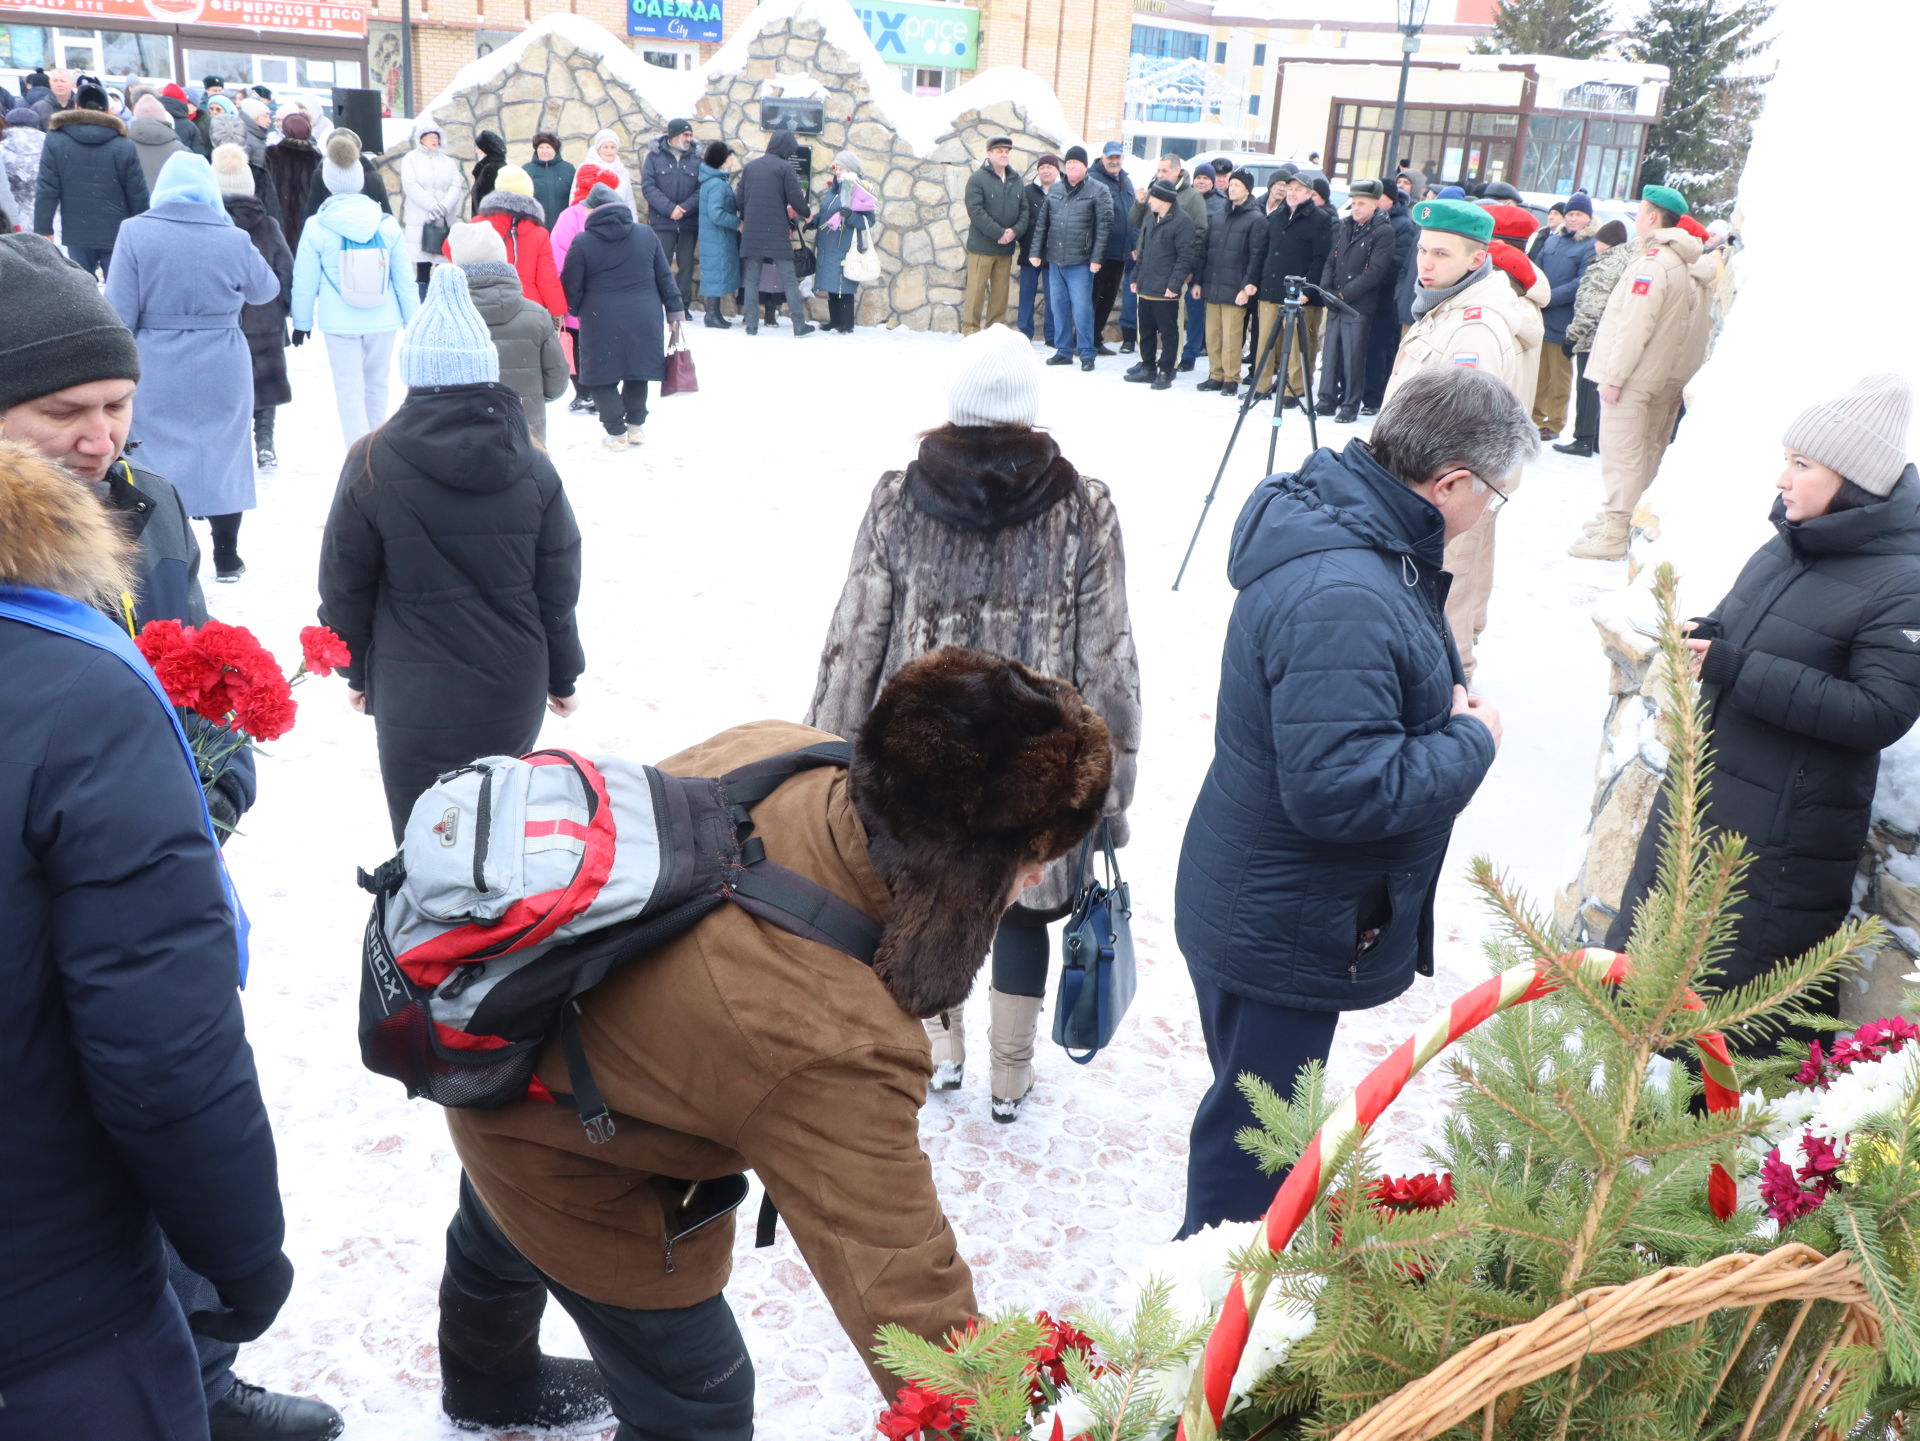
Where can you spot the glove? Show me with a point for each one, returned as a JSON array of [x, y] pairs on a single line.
[[252, 1302], [299, 337], [1566, 349], [226, 815]]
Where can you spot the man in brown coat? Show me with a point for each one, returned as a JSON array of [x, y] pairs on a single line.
[[1640, 362], [740, 1045]]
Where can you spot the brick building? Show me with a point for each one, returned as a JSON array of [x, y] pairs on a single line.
[[1080, 47]]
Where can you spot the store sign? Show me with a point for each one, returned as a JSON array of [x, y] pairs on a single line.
[[303, 17], [927, 37], [674, 19]]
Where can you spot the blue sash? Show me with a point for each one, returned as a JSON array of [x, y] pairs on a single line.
[[68, 617]]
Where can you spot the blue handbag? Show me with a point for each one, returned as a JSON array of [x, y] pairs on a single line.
[[1097, 975]]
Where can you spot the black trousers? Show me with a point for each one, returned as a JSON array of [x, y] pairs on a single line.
[[1159, 333], [1586, 405], [840, 312], [789, 282], [1224, 1183], [1343, 367], [675, 1375], [621, 404], [682, 247], [1020, 954], [1383, 343], [1106, 290], [195, 1293]]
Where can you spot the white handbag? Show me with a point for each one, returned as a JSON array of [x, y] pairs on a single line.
[[862, 262]]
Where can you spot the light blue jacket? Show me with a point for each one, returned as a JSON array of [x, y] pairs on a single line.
[[317, 304]]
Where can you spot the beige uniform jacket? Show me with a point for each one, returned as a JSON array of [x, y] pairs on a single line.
[[1646, 337]]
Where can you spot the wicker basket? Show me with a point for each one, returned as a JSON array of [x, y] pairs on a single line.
[[1612, 1318]]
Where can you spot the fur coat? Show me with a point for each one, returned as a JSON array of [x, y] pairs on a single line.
[[991, 539]]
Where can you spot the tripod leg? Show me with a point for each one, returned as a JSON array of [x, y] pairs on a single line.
[[1289, 338], [1306, 394]]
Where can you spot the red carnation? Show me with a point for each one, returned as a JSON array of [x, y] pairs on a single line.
[[1411, 1193], [266, 709], [918, 1411], [321, 651]]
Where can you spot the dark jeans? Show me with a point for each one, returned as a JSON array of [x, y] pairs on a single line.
[[1586, 406], [672, 1375], [1129, 304], [1159, 333], [621, 404], [1030, 279], [1020, 954], [1106, 290], [1070, 299], [196, 1293], [1224, 1183], [1196, 345], [1383, 344], [94, 262], [1343, 368], [141, 1384], [681, 246], [789, 282]]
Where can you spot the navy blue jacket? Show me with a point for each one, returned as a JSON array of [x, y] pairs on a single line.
[[132, 1096], [1310, 863], [1119, 190], [1406, 264], [669, 178], [1563, 260], [90, 175]]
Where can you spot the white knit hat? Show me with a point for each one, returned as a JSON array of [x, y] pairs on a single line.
[[231, 172], [996, 380], [475, 244], [1863, 434]]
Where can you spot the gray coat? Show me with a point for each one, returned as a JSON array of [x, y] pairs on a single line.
[[1073, 226], [181, 273], [531, 361], [157, 144], [990, 539]]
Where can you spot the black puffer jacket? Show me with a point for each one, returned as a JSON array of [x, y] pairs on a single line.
[[1361, 261], [493, 155], [451, 567], [90, 174], [265, 326], [669, 177], [1232, 262], [1298, 240], [767, 187], [1814, 670], [1073, 226], [1170, 250]]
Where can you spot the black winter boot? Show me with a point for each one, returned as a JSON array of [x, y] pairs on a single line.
[[227, 565], [715, 320], [492, 1373], [253, 1413], [263, 452]]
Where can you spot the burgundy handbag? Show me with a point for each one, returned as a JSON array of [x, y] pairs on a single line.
[[681, 379]]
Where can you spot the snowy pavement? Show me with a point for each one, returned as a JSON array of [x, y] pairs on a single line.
[[713, 558]]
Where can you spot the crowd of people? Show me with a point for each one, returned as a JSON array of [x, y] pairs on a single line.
[[980, 661]]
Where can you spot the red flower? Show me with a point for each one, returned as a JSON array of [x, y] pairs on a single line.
[[1824, 1159], [221, 672], [1814, 1071], [1049, 1357], [1411, 1193], [1873, 1042], [918, 1411], [321, 651], [265, 711]]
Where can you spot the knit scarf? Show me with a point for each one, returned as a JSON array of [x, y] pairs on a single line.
[[1425, 299]]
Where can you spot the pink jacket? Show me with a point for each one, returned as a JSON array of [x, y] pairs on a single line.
[[566, 230]]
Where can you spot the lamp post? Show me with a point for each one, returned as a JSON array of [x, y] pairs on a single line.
[[1412, 18]]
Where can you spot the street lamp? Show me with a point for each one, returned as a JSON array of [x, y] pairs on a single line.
[[1412, 18]]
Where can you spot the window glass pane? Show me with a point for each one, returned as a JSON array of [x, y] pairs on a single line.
[[1253, 104], [23, 47], [1260, 55], [317, 73], [230, 66], [1220, 52], [124, 53], [347, 73], [273, 69]]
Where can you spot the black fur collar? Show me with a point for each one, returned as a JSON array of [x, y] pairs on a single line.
[[988, 477]]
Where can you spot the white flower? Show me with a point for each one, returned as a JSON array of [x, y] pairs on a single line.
[[1075, 1416]]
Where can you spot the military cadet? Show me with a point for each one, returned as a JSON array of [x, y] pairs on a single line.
[[1469, 312], [1641, 359]]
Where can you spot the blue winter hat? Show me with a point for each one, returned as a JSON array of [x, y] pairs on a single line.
[[1451, 192], [187, 176], [447, 343]]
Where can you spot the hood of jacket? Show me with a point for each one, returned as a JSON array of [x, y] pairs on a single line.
[[466, 437], [55, 536], [152, 132], [178, 109], [988, 477], [707, 172], [91, 127], [1890, 527], [1337, 500], [496, 290], [352, 217], [1684, 247], [783, 145], [610, 222], [506, 202], [490, 145]]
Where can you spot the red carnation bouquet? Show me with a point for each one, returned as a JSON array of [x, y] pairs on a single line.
[[221, 673]]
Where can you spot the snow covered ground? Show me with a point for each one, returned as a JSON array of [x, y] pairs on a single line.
[[713, 558]]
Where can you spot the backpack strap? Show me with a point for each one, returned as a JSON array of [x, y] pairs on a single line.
[[796, 904], [750, 784]]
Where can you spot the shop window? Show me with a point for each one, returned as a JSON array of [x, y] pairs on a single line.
[[23, 47], [124, 53], [1253, 105], [927, 82], [231, 66], [1157, 44], [1219, 52], [272, 71], [1260, 55], [1551, 158]]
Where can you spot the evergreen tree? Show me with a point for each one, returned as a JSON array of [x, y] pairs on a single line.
[[1700, 142], [1576, 29]]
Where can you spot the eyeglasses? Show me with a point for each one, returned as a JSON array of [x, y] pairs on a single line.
[[1500, 497]]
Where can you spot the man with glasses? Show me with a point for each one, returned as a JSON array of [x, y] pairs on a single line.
[[1345, 744], [1468, 314]]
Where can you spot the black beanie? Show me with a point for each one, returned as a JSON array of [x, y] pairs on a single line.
[[60, 332], [1077, 152]]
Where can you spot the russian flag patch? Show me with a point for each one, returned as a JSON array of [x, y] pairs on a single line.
[[1642, 284], [1467, 358]]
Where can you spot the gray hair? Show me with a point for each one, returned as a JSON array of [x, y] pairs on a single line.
[[1453, 417], [1179, 162]]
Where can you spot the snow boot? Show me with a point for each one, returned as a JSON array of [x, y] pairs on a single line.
[[1138, 373], [492, 1373], [636, 435], [263, 453], [1013, 1022], [715, 320], [948, 1038], [1210, 385], [1347, 415], [616, 442], [253, 1413], [1230, 389], [1609, 542]]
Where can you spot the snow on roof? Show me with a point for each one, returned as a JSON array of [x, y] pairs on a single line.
[[671, 92]]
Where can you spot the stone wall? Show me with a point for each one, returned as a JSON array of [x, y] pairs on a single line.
[[573, 90]]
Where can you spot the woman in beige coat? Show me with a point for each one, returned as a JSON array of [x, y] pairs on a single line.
[[990, 539]]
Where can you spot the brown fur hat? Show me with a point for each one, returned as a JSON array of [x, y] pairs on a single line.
[[54, 535], [969, 768]]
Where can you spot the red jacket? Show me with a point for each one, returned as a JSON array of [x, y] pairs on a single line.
[[529, 247]]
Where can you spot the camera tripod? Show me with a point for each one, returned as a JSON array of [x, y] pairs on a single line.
[[1286, 335]]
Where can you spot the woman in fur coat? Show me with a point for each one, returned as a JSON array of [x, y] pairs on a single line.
[[990, 539]]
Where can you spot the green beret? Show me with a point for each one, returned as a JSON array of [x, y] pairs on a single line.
[[1666, 197], [1458, 216]]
